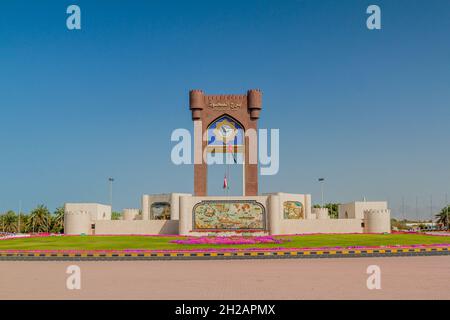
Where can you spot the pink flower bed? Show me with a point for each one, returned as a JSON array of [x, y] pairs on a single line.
[[228, 240], [219, 250]]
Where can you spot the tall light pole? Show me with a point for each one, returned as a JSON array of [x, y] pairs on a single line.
[[431, 211], [446, 209], [111, 180], [417, 209], [20, 210], [321, 180], [403, 208]]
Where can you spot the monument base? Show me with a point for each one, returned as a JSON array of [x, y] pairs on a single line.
[[270, 214]]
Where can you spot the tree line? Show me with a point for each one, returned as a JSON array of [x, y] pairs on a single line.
[[39, 219], [442, 218]]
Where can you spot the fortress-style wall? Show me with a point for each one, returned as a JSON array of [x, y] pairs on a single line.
[[173, 199], [377, 221], [321, 226], [275, 214], [77, 223], [97, 211], [148, 200], [321, 213], [130, 214], [78, 217], [355, 210], [122, 227]]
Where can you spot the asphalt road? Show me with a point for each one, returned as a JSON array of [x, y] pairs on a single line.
[[424, 277]]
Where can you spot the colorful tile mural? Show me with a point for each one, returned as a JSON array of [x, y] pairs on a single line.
[[160, 211], [229, 215], [293, 210]]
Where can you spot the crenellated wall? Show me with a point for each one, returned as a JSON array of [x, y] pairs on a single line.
[[122, 227], [78, 217], [77, 223], [321, 226], [377, 221], [321, 213], [171, 198], [275, 214], [130, 214]]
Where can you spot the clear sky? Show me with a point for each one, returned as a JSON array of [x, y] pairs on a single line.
[[367, 110]]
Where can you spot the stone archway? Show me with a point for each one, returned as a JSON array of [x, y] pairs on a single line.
[[225, 154], [244, 110]]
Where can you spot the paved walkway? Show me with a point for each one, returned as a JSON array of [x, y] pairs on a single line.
[[401, 278]]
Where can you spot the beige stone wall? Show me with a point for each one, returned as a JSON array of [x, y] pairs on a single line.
[[375, 216], [172, 198], [78, 217], [147, 227], [76, 223], [148, 200], [356, 209], [305, 199], [130, 214], [96, 210], [276, 224], [175, 204], [321, 213], [377, 221], [321, 226]]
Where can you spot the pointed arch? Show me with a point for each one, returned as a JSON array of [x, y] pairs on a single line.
[[224, 131], [228, 116]]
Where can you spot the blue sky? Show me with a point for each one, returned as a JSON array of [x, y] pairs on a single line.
[[368, 110]]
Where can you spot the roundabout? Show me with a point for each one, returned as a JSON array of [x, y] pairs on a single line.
[[67, 248]]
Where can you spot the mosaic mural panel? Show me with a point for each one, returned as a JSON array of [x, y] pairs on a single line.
[[229, 215], [160, 211], [293, 210]]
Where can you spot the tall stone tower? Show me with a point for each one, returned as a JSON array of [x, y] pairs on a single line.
[[240, 111]]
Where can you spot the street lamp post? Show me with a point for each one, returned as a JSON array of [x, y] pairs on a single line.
[[321, 180], [446, 209], [403, 208], [417, 209], [111, 180], [431, 211], [20, 210]]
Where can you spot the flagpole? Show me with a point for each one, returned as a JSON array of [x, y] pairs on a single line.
[[225, 179], [228, 174]]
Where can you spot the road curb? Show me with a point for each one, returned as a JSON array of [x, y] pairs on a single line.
[[219, 255]]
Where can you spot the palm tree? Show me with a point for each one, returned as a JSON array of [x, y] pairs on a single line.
[[443, 216], [39, 219], [9, 222], [57, 220], [24, 223]]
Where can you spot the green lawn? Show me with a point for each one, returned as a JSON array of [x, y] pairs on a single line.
[[163, 243]]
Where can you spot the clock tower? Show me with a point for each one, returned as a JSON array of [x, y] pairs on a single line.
[[228, 124]]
